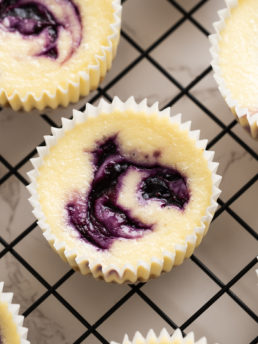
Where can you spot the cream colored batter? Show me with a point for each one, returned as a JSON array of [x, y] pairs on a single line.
[[20, 70], [238, 54]]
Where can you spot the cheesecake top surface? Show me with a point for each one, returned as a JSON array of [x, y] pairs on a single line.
[[48, 42], [238, 54]]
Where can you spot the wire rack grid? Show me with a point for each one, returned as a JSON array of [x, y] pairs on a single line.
[[194, 13]]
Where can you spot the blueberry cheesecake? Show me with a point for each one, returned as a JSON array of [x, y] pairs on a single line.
[[54, 51], [124, 191], [11, 330], [163, 338], [234, 59]]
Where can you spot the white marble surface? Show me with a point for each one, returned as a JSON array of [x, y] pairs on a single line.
[[227, 248]]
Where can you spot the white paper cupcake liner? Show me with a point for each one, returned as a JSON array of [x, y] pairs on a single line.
[[88, 79], [247, 118], [163, 338], [143, 270], [13, 309]]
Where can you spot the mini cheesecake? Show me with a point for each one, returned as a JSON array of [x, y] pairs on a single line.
[[235, 60], [163, 338], [124, 191], [54, 51], [11, 330]]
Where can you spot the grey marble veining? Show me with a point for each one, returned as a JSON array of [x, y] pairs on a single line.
[[16, 213]]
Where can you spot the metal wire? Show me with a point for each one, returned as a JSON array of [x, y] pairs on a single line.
[[225, 206]]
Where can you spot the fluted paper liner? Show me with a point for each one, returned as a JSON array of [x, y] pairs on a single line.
[[13, 309], [163, 338], [248, 119], [143, 270], [88, 79]]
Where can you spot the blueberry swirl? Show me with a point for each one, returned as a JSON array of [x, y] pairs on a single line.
[[99, 218], [44, 20]]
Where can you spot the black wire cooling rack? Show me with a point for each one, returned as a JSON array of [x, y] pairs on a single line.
[[225, 206]]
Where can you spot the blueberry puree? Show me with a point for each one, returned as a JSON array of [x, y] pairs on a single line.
[[99, 218], [32, 18]]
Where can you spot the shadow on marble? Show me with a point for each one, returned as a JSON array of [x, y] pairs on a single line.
[[90, 297], [181, 296], [223, 250], [225, 322]]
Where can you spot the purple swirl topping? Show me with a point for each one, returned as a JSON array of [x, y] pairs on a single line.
[[32, 18], [100, 219]]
